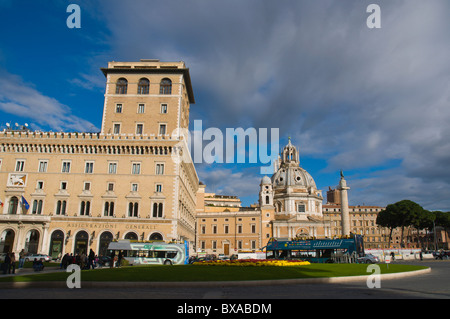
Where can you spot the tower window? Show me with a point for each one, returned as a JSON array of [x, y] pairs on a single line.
[[165, 86], [143, 86], [121, 86]]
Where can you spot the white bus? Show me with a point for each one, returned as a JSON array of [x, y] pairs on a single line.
[[151, 253]]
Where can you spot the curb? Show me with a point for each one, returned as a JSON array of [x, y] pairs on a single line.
[[199, 284]]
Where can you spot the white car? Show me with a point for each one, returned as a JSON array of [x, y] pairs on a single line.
[[368, 259], [34, 257]]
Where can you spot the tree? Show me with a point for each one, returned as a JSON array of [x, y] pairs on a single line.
[[425, 221], [401, 214], [387, 219]]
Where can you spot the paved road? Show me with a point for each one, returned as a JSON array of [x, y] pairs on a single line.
[[433, 285]]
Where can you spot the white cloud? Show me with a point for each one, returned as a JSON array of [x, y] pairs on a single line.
[[23, 100]]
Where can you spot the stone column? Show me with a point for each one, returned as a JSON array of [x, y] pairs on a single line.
[[345, 215]]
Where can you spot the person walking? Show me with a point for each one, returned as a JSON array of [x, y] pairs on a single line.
[[7, 264], [119, 259], [111, 263], [91, 259], [13, 264], [21, 258]]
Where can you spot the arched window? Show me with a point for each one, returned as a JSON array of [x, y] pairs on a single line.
[[61, 207], [143, 86], [13, 204], [165, 86], [32, 242], [133, 209], [109, 209], [37, 207], [56, 244], [156, 236], [81, 242], [85, 208], [157, 210], [105, 239], [121, 86], [131, 236]]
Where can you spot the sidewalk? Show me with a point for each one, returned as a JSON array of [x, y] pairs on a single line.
[[28, 271]]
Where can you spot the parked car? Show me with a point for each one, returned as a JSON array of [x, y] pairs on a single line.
[[368, 259], [33, 257], [441, 255]]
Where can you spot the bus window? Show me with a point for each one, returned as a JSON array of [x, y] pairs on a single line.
[[171, 254], [159, 254]]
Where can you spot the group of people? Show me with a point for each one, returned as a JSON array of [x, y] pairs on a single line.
[[9, 264], [84, 261]]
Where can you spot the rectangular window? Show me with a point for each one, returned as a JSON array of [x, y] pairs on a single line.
[[301, 208], [134, 187], [162, 129], [111, 187], [159, 188], [65, 167], [214, 229], [116, 128], [20, 165], [239, 229], [89, 167], [139, 129], [112, 168], [159, 169], [226, 229], [118, 108], [203, 229], [253, 226], [163, 108], [141, 108], [63, 185], [136, 168], [43, 166], [87, 186], [40, 185]]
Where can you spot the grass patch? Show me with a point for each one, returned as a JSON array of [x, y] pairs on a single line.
[[193, 273]]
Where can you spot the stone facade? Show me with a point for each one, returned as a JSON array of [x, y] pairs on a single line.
[[83, 190]]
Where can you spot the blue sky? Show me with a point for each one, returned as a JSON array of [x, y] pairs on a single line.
[[373, 102]]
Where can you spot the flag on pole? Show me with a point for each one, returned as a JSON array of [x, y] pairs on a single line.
[[25, 203]]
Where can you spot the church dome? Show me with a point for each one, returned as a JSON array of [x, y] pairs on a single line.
[[289, 172]]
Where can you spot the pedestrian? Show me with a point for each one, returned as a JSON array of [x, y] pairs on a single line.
[[119, 259], [421, 255], [13, 263], [91, 259], [113, 255], [7, 264], [21, 258]]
